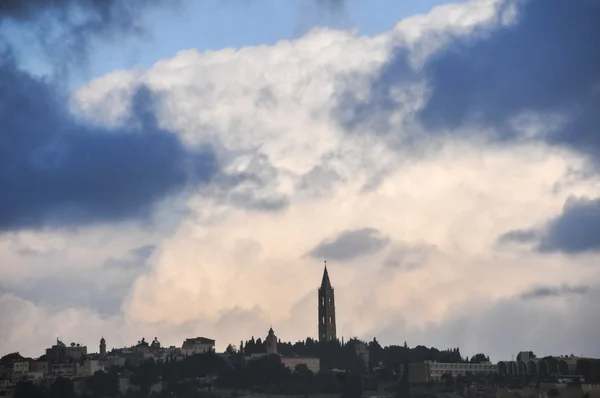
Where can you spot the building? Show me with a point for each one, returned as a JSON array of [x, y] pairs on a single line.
[[65, 369], [155, 345], [313, 364], [6, 388], [362, 351], [57, 351], [75, 352], [20, 366], [291, 362], [60, 352], [197, 345], [102, 348], [38, 367], [89, 367], [271, 342], [326, 311], [433, 371]]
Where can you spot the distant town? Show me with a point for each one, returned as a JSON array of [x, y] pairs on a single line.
[[323, 367]]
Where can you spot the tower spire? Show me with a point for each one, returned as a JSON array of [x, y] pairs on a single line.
[[325, 282]]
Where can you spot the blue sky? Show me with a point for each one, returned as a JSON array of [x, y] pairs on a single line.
[[217, 24]]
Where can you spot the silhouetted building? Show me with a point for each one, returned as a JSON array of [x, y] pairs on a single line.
[[60, 352], [326, 309], [102, 348], [271, 342], [290, 362], [197, 345]]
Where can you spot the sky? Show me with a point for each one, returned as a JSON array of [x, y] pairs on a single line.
[[184, 170]]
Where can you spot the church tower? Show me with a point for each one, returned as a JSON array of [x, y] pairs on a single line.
[[271, 342], [326, 310], [102, 348]]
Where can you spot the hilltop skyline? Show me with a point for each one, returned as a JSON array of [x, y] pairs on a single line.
[[443, 160]]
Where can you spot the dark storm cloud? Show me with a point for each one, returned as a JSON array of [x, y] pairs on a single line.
[[374, 114], [65, 27], [519, 236], [27, 9], [59, 172], [575, 230], [351, 244], [548, 62], [541, 292]]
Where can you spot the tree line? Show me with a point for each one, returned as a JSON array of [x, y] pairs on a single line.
[[198, 374]]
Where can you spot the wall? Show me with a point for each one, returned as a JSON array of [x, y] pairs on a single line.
[[313, 364]]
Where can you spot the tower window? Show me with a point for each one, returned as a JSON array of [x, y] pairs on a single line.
[[323, 301], [330, 301], [323, 320], [330, 319], [330, 336]]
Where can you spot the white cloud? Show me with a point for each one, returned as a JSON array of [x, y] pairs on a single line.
[[227, 271]]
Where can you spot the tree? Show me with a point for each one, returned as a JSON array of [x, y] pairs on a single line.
[[303, 370], [145, 375], [231, 350], [352, 386], [404, 384], [553, 392], [26, 389], [448, 379], [479, 358], [62, 388], [460, 383], [267, 370], [12, 357], [375, 353], [102, 384], [531, 355]]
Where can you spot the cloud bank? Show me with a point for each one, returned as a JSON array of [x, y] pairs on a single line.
[[405, 158]]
